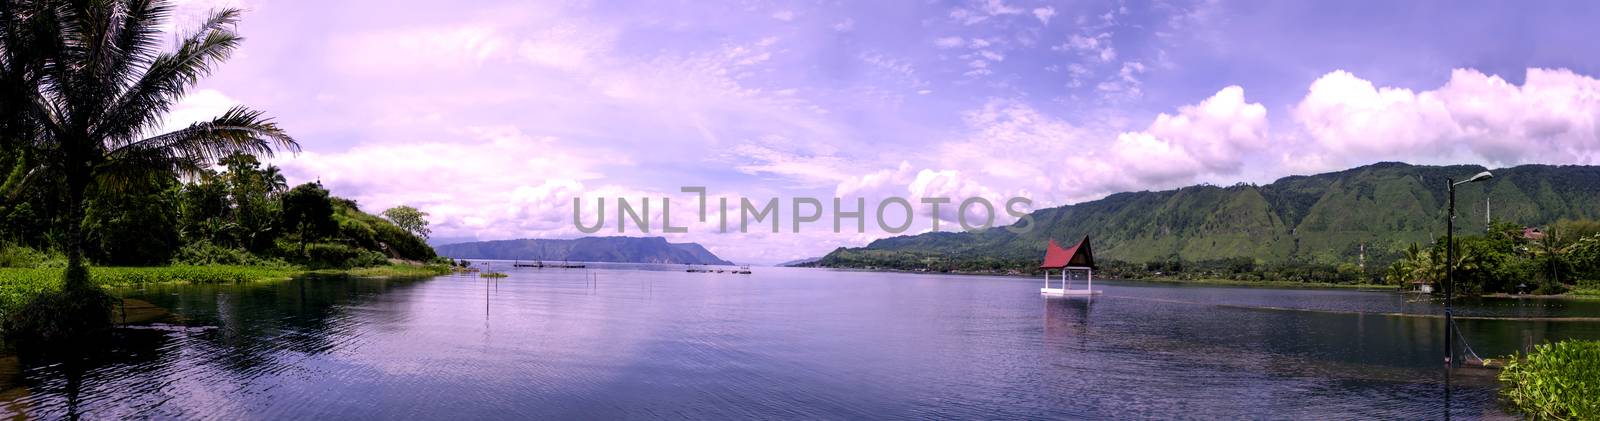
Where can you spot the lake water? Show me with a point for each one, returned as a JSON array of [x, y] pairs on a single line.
[[639, 341]]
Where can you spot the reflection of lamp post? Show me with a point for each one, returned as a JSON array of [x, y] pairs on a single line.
[[1450, 265]]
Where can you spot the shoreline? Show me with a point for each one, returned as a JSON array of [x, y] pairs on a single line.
[[20, 285], [1207, 282]]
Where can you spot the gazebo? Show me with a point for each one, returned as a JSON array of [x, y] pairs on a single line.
[[1077, 258]]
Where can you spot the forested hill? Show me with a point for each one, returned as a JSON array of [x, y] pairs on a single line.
[[587, 249], [1323, 218]]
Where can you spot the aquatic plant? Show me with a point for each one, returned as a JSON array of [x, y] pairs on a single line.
[[1556, 381], [493, 274]]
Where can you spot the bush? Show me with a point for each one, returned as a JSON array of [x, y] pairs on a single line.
[[201, 253], [1587, 288], [1555, 381], [339, 256], [12, 256], [56, 315]]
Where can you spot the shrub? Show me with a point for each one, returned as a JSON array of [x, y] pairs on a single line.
[[12, 256], [1555, 381], [62, 314], [1588, 288], [339, 256], [201, 253]]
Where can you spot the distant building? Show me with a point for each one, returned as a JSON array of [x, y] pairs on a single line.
[[1532, 234]]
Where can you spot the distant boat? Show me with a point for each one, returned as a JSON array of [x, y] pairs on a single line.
[[743, 270]]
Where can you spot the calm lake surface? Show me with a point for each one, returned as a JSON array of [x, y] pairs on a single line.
[[639, 341]]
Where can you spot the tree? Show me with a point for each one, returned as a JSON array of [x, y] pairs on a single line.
[[410, 219], [273, 176], [84, 86], [253, 213], [137, 226], [308, 210]]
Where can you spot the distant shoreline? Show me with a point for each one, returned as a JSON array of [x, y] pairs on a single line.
[[1208, 282]]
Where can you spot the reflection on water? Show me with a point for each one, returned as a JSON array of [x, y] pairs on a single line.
[[615, 341]]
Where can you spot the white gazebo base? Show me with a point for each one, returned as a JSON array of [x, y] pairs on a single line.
[[1066, 292]]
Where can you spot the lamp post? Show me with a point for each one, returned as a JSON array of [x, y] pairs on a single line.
[[1450, 266]]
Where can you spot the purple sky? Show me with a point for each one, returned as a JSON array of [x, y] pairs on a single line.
[[492, 116]]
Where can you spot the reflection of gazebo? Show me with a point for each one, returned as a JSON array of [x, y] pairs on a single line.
[[1069, 260]]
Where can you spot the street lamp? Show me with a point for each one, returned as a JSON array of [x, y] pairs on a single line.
[[1450, 265]]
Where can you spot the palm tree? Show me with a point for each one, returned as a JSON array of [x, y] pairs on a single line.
[[274, 179], [86, 86]]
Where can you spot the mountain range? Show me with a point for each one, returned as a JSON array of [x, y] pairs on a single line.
[[586, 249], [1372, 212]]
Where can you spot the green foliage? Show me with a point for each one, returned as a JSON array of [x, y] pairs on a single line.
[[308, 212], [254, 211], [340, 256], [398, 270], [410, 219], [14, 256], [373, 233], [1556, 381], [57, 315], [202, 253], [83, 128], [133, 226], [1310, 225]]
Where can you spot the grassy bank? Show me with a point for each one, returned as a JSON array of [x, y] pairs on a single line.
[[1266, 284], [1163, 280], [1586, 289], [1555, 381], [19, 285]]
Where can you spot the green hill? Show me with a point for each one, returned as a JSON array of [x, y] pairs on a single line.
[[1321, 219]]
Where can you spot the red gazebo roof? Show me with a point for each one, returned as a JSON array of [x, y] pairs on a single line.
[[1079, 255]]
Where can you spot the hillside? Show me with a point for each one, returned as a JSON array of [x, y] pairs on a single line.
[[586, 249], [1323, 218]]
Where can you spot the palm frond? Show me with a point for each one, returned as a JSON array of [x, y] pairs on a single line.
[[132, 41], [238, 130], [168, 77], [136, 168]]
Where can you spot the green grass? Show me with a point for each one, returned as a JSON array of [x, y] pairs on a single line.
[[1586, 289], [1266, 284], [387, 271], [1555, 381], [20, 285]]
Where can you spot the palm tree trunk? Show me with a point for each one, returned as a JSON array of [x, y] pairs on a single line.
[[77, 274]]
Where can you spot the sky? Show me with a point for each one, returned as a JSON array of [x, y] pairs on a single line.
[[493, 116]]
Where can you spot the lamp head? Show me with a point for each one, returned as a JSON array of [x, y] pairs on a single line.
[[1476, 178]]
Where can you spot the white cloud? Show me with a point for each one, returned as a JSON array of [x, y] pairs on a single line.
[[460, 175], [566, 46], [1013, 149], [1097, 46], [1213, 137], [999, 7], [434, 48], [200, 105], [783, 15], [1126, 85], [1551, 118], [845, 25], [949, 42], [1044, 14]]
